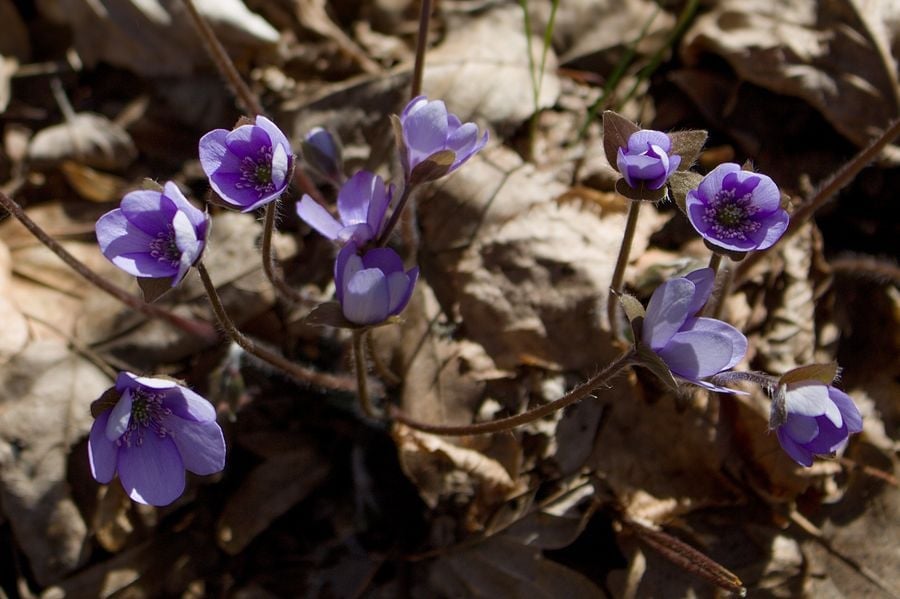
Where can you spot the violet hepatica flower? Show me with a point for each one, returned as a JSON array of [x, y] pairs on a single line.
[[374, 286], [737, 210], [647, 160], [362, 204], [692, 347], [812, 418], [428, 129], [155, 431], [249, 166], [154, 234]]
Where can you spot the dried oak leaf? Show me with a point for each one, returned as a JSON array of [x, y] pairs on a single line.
[[834, 54], [45, 394]]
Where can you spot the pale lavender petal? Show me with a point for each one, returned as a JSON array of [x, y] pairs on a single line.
[[703, 280], [378, 205], [384, 259], [152, 472], [281, 164], [187, 243], [722, 329], [696, 354], [771, 231], [354, 196], [463, 139], [360, 234], [276, 137], [811, 399], [317, 217], [712, 183], [102, 453], [849, 411], [188, 405], [800, 455], [398, 290], [667, 311], [119, 417], [147, 381], [198, 218], [149, 211], [366, 297], [212, 150], [426, 128], [766, 196], [200, 444], [801, 429], [344, 258], [640, 140]]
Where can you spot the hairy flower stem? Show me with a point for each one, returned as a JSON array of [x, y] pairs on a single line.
[[715, 261], [223, 63], [300, 373], [421, 46], [825, 192], [615, 287], [504, 424], [362, 390], [270, 266], [395, 216], [713, 307], [199, 328]]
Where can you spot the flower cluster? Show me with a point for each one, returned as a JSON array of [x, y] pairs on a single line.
[[150, 432]]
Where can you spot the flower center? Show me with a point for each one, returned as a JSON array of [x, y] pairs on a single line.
[[256, 172], [147, 412], [164, 248], [730, 217]]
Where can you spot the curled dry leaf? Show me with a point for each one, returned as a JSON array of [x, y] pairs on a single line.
[[14, 332], [46, 392], [88, 138], [837, 59]]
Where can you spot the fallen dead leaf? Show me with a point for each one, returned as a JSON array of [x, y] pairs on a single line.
[[91, 139]]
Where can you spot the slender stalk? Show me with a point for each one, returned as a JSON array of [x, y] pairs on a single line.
[[199, 328], [717, 301], [615, 287], [421, 46], [504, 424], [300, 373], [395, 216], [223, 63], [715, 261], [381, 368], [362, 390], [828, 189], [270, 265]]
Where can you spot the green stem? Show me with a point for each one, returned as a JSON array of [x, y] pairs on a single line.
[[362, 390], [421, 46], [615, 287], [504, 424], [827, 190], [300, 373], [201, 329], [715, 261], [270, 265], [722, 289], [223, 63]]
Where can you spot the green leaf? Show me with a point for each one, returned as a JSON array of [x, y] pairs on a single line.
[[680, 183], [154, 288], [688, 145], [652, 362], [433, 167]]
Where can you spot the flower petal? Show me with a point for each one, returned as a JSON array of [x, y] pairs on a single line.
[[667, 311], [149, 211], [771, 230], [425, 128], [849, 412], [703, 280], [696, 354], [152, 472], [212, 150], [346, 264], [317, 217], [811, 399], [800, 455], [354, 197], [717, 327], [200, 444], [640, 140], [801, 429], [189, 405], [384, 259], [119, 417], [712, 183], [366, 297], [102, 453]]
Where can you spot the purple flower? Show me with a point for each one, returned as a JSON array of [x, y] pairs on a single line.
[[737, 210], [323, 153], [692, 347], [646, 160], [154, 234], [362, 204], [374, 286], [156, 430], [428, 129], [249, 166], [812, 418]]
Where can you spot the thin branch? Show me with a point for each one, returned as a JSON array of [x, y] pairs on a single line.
[[504, 424]]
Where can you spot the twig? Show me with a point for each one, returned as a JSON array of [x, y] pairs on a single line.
[[198, 328], [504, 424]]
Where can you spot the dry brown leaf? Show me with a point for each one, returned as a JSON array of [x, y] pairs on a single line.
[[503, 567], [482, 70], [271, 489], [14, 332], [45, 394], [88, 138], [835, 54]]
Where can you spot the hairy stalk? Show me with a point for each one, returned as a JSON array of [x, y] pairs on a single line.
[[717, 301], [827, 190], [223, 63], [300, 373], [362, 390], [385, 373], [505, 424], [615, 287], [421, 46], [270, 266], [395, 216], [715, 261], [198, 328]]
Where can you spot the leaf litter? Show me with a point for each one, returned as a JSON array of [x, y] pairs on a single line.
[[615, 496]]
